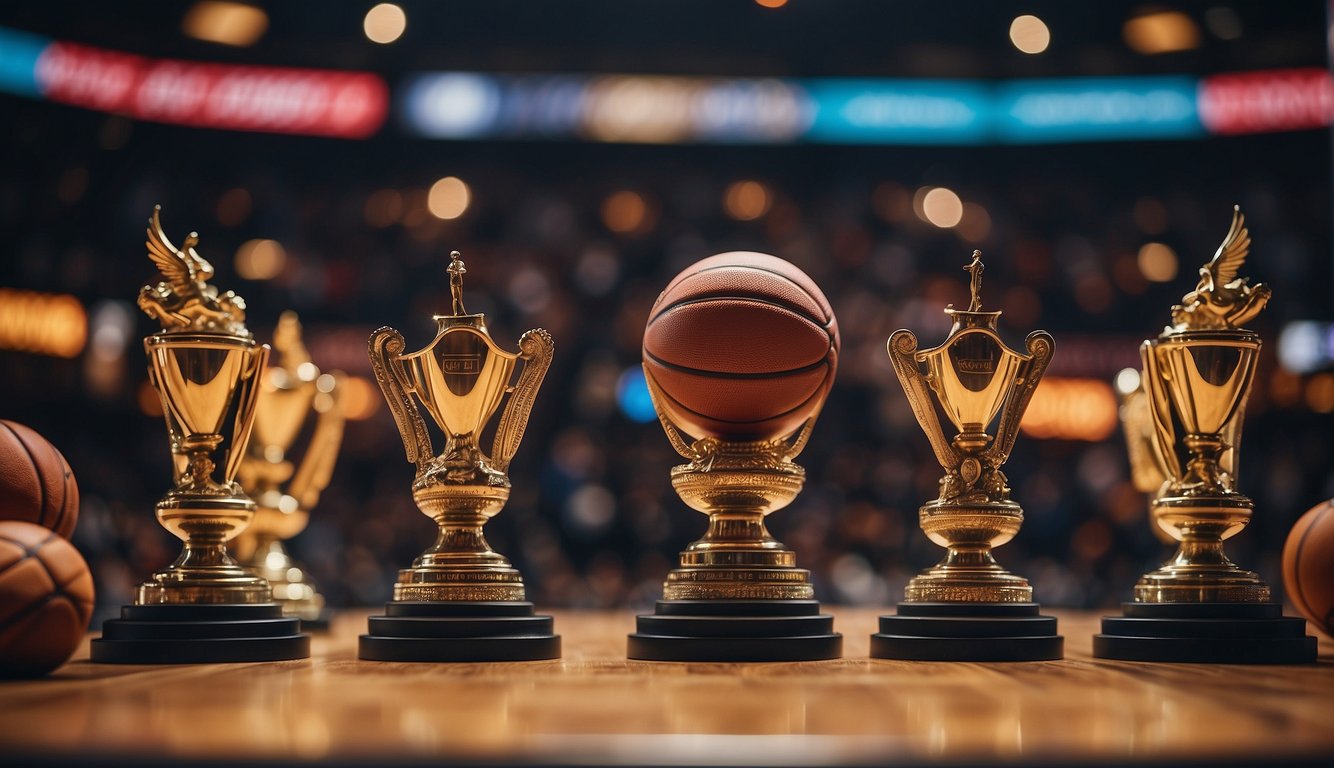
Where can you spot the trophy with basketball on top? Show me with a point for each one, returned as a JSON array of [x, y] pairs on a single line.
[[740, 352]]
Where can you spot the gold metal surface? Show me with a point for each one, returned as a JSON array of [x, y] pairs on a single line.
[[461, 378], [293, 393], [973, 376], [737, 484], [1197, 376], [206, 368]]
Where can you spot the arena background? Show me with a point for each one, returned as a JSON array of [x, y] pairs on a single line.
[[576, 185]]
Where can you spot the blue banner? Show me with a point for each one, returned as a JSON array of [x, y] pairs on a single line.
[[1097, 108], [898, 111], [19, 52]]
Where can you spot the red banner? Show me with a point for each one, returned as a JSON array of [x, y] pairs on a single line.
[[266, 99], [1260, 102]]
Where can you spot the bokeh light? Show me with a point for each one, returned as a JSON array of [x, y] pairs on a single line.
[[42, 323], [1161, 32], [625, 212], [633, 397], [942, 207], [260, 259], [361, 399], [385, 23], [448, 198], [1071, 409], [746, 200], [235, 24], [1030, 34], [1157, 262]]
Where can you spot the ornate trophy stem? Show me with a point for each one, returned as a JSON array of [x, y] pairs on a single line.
[[1200, 606], [983, 612], [206, 368], [466, 597]]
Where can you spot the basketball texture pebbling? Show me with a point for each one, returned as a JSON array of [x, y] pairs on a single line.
[[1308, 566], [36, 484], [46, 599], [741, 346]]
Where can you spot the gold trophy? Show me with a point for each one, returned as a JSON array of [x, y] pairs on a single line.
[[1200, 606], [969, 608], [737, 593], [460, 600], [206, 367], [292, 393]]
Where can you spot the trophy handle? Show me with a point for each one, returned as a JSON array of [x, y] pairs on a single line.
[[803, 434], [386, 345], [1040, 347], [536, 349], [1160, 413], [679, 443], [902, 348], [322, 453], [1146, 468], [247, 398]]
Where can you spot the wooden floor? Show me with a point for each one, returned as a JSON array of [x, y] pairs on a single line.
[[595, 707]]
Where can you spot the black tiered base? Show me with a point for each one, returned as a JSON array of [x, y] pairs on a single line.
[[1214, 633], [736, 630], [459, 631], [200, 634], [968, 632]]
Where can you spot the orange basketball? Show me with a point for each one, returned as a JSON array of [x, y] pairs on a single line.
[[46, 599], [1308, 566], [36, 484], [741, 346]]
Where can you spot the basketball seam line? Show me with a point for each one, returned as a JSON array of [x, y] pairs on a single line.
[[37, 472], [776, 274], [58, 589], [796, 407], [746, 376], [798, 311], [28, 553]]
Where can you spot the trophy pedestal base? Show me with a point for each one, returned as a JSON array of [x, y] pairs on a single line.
[[459, 631], [200, 634], [735, 630], [968, 632], [1213, 633]]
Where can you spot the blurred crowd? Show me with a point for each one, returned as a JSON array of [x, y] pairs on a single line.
[[579, 239]]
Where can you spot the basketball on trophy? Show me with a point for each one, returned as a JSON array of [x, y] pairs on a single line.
[[36, 484], [741, 346], [46, 599]]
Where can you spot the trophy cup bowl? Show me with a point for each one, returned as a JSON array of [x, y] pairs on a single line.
[[206, 367], [1199, 606], [971, 378], [1208, 374], [461, 380], [460, 600], [203, 380]]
